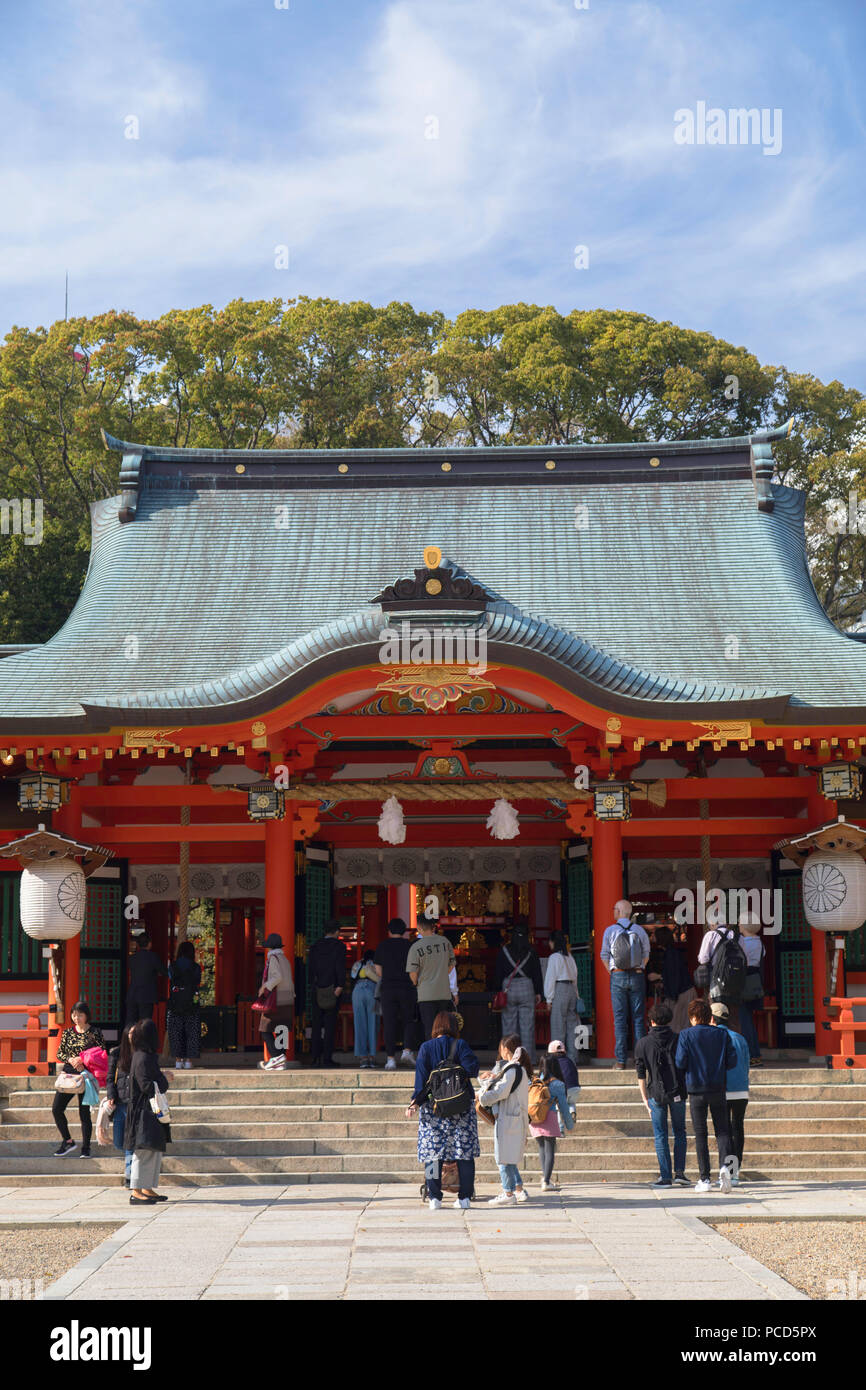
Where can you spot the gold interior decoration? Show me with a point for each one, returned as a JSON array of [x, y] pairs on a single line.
[[614, 724], [446, 468], [433, 586], [432, 557], [342, 468], [523, 899], [258, 728], [240, 468], [550, 464], [654, 463], [442, 766]]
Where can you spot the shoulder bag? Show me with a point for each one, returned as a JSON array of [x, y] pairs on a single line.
[[500, 998], [69, 1083]]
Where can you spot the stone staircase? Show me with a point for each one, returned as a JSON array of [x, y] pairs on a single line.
[[232, 1126]]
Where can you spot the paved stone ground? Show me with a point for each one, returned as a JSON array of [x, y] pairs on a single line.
[[335, 1241]]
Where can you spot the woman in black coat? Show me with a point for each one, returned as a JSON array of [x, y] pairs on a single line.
[[145, 1134]]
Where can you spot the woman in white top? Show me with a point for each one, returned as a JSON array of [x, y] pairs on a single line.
[[560, 991], [506, 1091], [276, 1024]]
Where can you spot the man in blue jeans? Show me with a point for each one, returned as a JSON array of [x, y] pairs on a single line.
[[663, 1088], [625, 949]]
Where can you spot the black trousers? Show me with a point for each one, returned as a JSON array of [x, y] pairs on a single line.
[[547, 1153], [398, 1015], [324, 1028], [717, 1106], [465, 1177], [58, 1110], [736, 1126], [135, 1010], [429, 1008]]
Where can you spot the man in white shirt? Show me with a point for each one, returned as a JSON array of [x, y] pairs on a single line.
[[627, 977]]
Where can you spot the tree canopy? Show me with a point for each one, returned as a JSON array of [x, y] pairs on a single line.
[[317, 373]]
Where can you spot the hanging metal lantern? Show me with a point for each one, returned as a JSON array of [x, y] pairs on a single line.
[[612, 800], [841, 781], [265, 802], [41, 791]]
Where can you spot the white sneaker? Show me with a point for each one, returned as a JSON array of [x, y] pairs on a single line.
[[275, 1064], [407, 1056], [732, 1163], [725, 1179], [390, 1065], [434, 1204], [545, 1186], [505, 1199], [522, 1195], [462, 1204], [703, 1185]]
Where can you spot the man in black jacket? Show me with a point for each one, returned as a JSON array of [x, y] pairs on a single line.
[[145, 968], [663, 1088], [327, 966]]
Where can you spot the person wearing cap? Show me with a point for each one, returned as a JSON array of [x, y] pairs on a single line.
[[705, 1053], [327, 966], [736, 1090], [570, 1075], [277, 976]]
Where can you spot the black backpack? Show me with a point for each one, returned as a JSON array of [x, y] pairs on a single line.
[[728, 968], [666, 1074], [449, 1090]]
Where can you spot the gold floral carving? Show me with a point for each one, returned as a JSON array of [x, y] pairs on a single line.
[[434, 687]]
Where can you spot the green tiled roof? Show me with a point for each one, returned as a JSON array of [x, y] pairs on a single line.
[[680, 592]]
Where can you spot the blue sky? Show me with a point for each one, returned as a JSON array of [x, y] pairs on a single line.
[[308, 127]]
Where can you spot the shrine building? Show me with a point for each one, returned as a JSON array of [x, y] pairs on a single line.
[[621, 641]]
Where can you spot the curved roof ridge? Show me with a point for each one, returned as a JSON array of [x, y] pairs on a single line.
[[364, 628]]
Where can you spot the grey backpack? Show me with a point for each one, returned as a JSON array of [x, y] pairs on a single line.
[[627, 949]]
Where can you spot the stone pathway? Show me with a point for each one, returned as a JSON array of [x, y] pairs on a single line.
[[338, 1241]]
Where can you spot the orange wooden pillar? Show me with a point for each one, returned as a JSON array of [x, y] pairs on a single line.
[[280, 892], [820, 812], [606, 892]]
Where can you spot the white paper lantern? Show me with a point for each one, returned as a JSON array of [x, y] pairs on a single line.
[[834, 891], [53, 899]]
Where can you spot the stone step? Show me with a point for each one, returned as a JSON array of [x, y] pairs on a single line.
[[790, 1114], [585, 1130], [229, 1146], [306, 1078], [274, 1094], [593, 1168]]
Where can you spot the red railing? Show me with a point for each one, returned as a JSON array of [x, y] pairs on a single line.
[[847, 1028], [29, 1044]]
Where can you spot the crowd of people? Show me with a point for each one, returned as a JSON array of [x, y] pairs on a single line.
[[696, 1051]]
